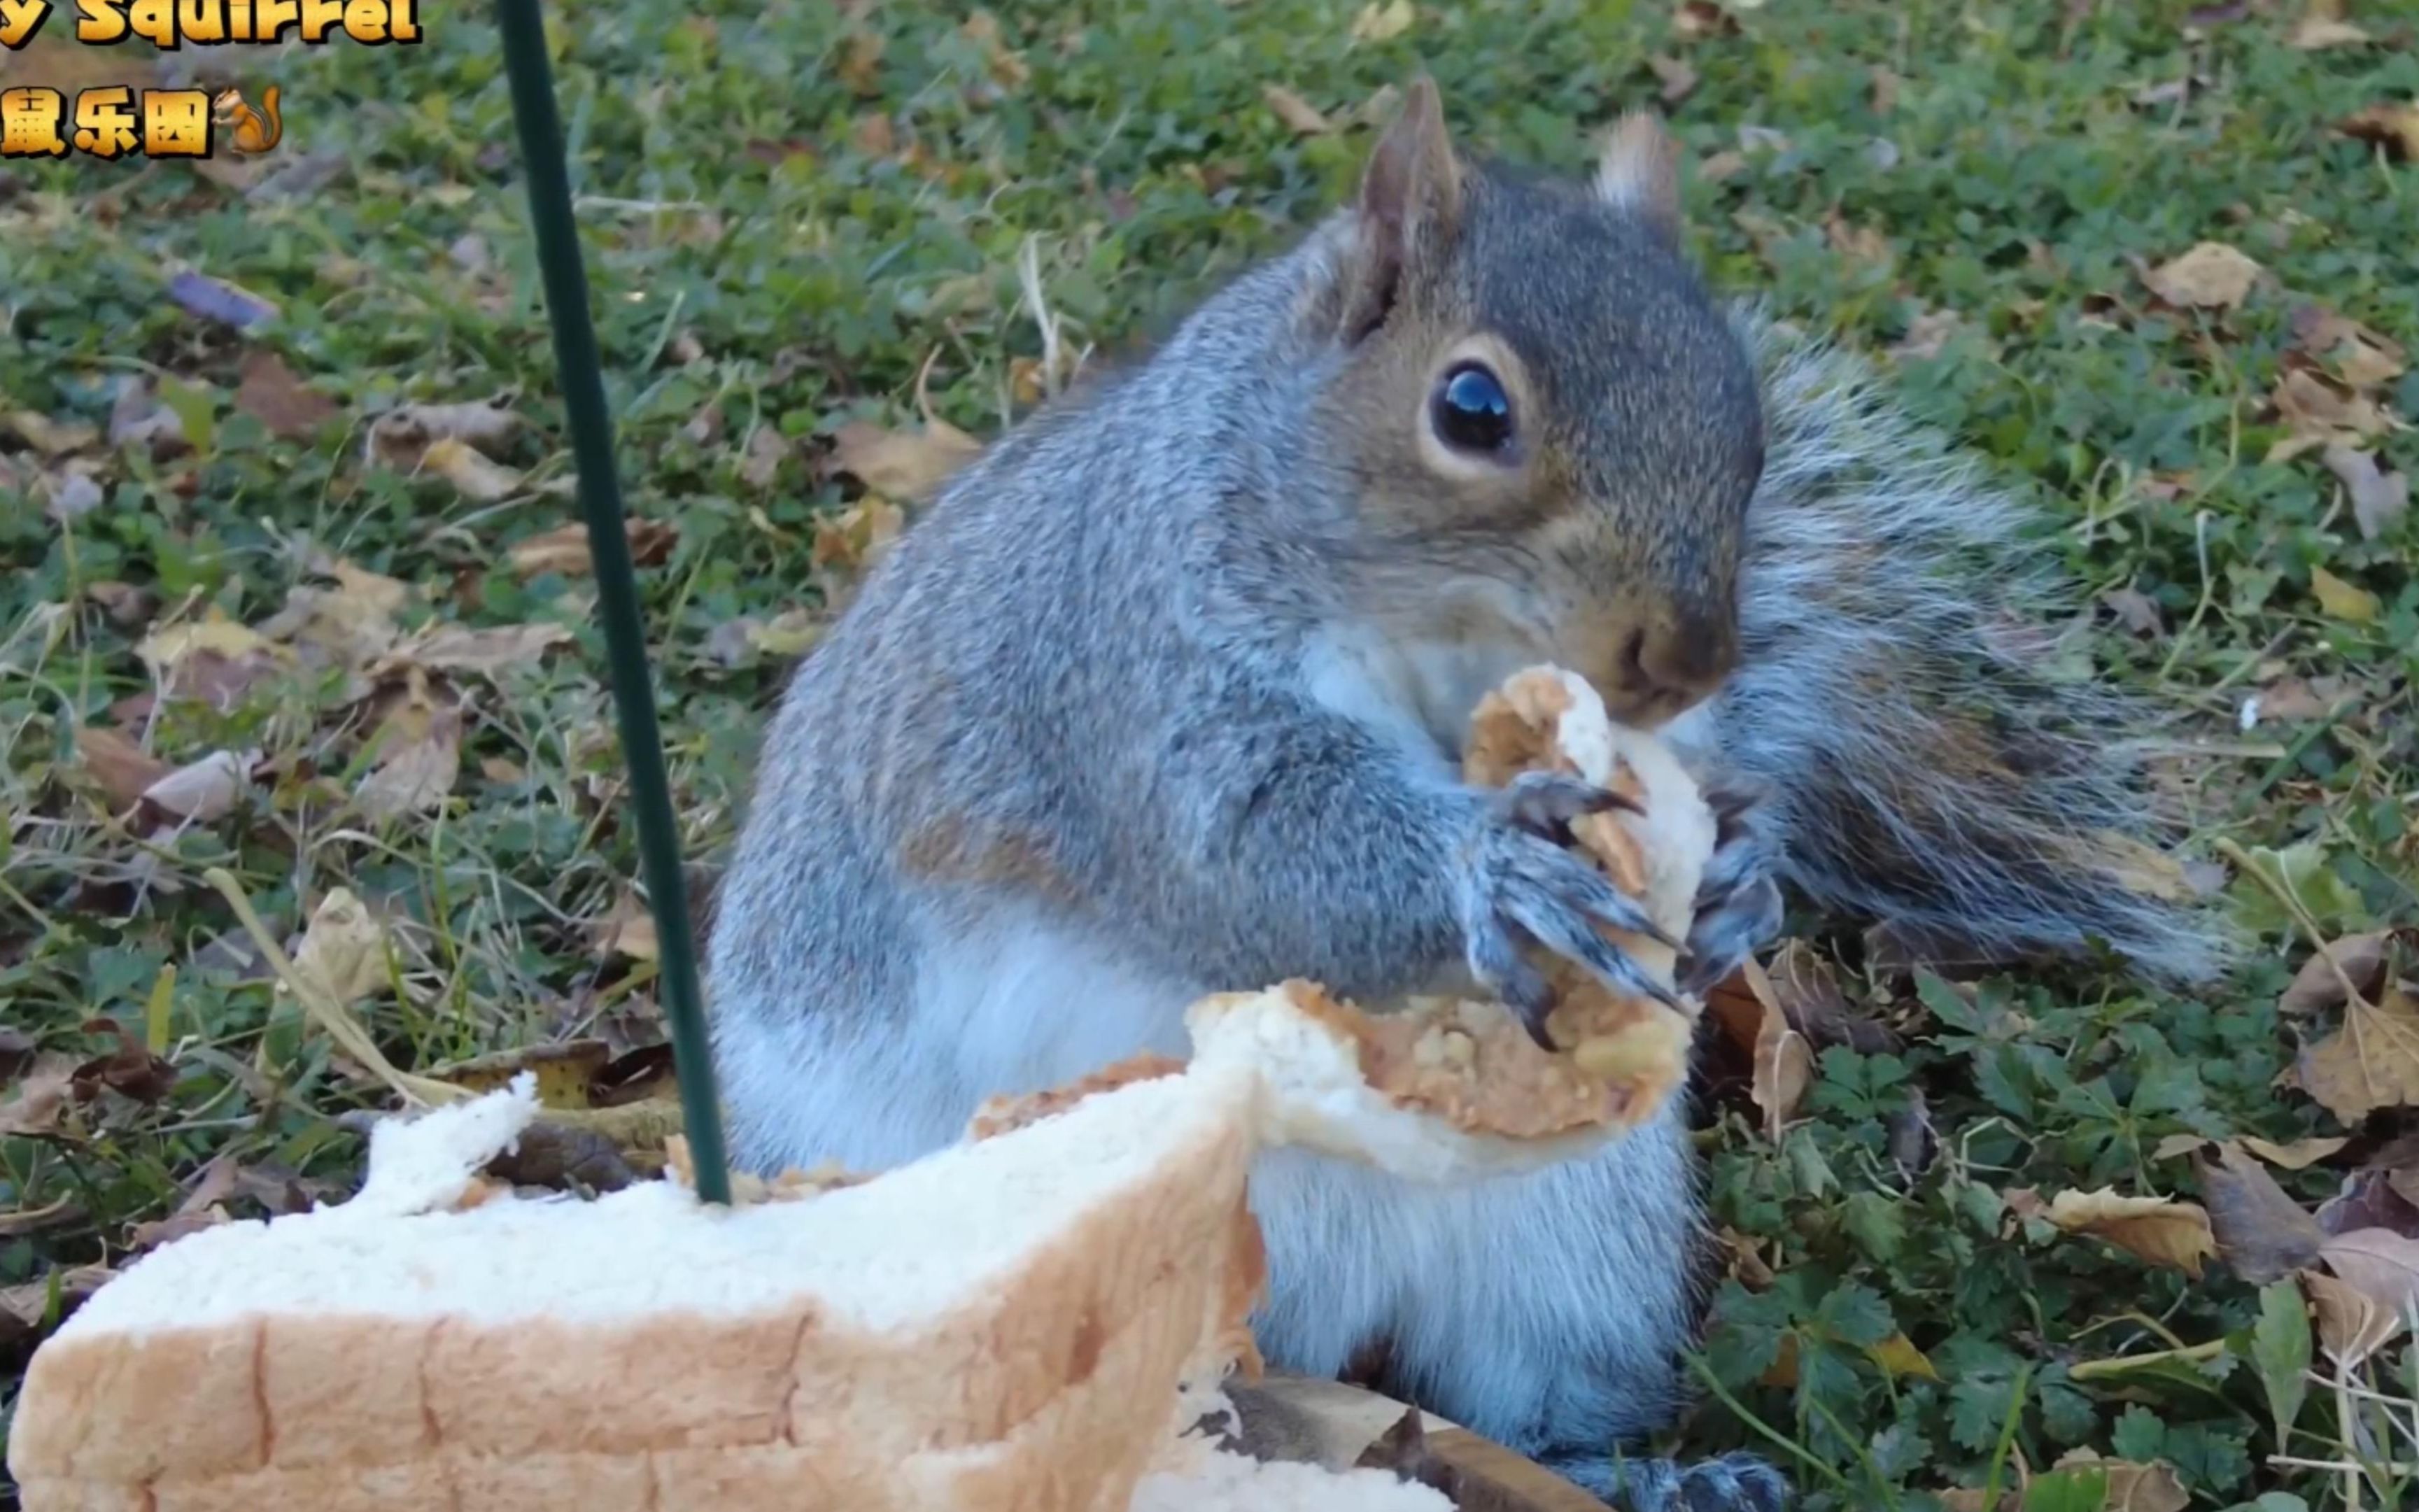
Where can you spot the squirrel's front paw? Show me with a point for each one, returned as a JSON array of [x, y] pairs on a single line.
[[1738, 902], [1520, 881]]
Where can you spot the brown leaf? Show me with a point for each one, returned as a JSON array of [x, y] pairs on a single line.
[[131, 1070], [347, 627], [1784, 1062], [628, 931], [564, 1158], [1678, 80], [416, 771], [343, 951], [855, 537], [2351, 1325], [1378, 22], [1927, 335], [150, 1236], [2135, 611], [2344, 601], [203, 791], [270, 393], [565, 1071], [2318, 985], [766, 449], [1695, 19], [2299, 1156], [2371, 1062], [401, 436], [2317, 410], [2211, 276], [2132, 1488], [1857, 244], [212, 658], [484, 653], [2371, 1199], [2313, 33], [2174, 1145], [2381, 1265], [23, 1306], [904, 465], [1884, 90], [1808, 993], [2293, 699], [140, 418], [2378, 499], [125, 605], [1300, 116], [124, 770], [41, 1098], [565, 549], [2160, 1230], [477, 475], [52, 437], [2262, 1234], [2357, 355], [2394, 126]]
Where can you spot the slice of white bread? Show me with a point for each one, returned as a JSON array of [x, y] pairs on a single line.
[[995, 1329], [1021, 1323]]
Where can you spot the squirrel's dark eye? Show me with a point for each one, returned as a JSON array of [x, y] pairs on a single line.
[[1472, 414]]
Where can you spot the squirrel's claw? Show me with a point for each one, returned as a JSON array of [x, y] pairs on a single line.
[[1496, 961], [1544, 803]]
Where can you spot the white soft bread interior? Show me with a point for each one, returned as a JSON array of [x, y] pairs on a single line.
[[998, 1328]]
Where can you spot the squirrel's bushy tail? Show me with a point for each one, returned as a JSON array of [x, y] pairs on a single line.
[[1925, 769]]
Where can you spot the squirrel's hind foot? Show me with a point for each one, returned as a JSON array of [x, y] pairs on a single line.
[[1728, 1483]]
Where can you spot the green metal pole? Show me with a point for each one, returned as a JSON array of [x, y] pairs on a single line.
[[625, 638]]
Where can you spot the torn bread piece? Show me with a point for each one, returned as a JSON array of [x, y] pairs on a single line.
[[1449, 1088]]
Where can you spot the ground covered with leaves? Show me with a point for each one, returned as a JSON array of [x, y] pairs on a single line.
[[295, 622]]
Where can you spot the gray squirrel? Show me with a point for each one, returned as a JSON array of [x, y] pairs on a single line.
[[1163, 695]]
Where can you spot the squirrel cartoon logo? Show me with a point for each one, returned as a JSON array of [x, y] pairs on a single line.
[[254, 131]]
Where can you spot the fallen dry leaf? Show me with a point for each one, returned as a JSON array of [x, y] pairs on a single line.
[[472, 471], [52, 437], [400, 437], [204, 791], [212, 658], [628, 930], [2299, 1156], [2379, 498], [141, 419], [2370, 1197], [2161, 1230], [854, 538], [41, 1098], [272, 395], [565, 549], [2262, 1234], [415, 772], [1678, 80], [131, 1070], [2344, 601], [2211, 276], [903, 465], [1784, 1061], [2132, 1488], [762, 462], [2314, 32], [124, 770], [1695, 19], [2371, 1062], [1300, 116], [2317, 410], [2381, 1265], [71, 496], [125, 605], [1382, 23], [2357, 355], [343, 951], [1927, 335], [334, 627], [2134, 610], [23, 1306], [1857, 244], [2394, 126], [2318, 985], [2351, 1325], [483, 652]]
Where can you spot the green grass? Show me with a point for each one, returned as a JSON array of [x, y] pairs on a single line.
[[769, 267]]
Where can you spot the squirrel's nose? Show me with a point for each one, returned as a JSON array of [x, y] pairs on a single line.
[[1668, 664]]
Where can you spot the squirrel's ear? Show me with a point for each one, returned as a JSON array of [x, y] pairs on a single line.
[[1640, 171], [1410, 203]]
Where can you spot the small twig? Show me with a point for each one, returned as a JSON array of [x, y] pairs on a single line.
[[2282, 891]]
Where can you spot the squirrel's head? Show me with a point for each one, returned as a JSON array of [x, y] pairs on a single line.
[[1553, 432]]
